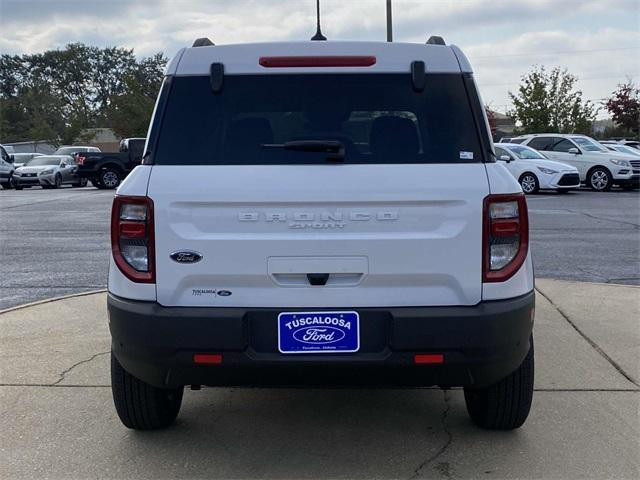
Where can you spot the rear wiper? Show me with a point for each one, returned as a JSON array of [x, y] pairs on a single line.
[[333, 148]]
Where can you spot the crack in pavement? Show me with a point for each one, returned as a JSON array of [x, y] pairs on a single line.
[[597, 275], [444, 468], [64, 373], [621, 222], [593, 344]]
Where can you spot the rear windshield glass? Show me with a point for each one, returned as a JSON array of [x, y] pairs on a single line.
[[377, 117]]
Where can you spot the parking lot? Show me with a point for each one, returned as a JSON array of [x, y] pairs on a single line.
[[57, 242], [59, 420]]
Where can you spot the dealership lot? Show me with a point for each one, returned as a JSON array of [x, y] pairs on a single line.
[[54, 380], [56, 242]]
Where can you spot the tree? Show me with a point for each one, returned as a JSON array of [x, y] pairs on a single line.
[[130, 112], [547, 102], [624, 107], [57, 94]]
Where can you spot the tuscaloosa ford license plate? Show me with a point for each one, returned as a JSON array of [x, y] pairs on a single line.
[[318, 332]]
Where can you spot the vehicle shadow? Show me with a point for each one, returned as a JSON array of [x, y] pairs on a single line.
[[299, 433]]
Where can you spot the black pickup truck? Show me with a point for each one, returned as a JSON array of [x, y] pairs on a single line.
[[108, 169]]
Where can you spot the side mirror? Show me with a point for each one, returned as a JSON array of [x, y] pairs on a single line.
[[574, 150], [63, 165], [505, 158]]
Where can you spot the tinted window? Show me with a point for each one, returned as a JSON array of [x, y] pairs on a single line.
[[4, 154], [500, 152], [378, 118], [135, 148], [562, 145], [541, 143]]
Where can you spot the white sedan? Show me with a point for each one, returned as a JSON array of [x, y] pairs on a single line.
[[534, 171]]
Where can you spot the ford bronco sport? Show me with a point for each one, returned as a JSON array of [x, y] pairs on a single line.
[[320, 213]]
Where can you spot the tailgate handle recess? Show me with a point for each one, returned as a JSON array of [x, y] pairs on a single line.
[[318, 279]]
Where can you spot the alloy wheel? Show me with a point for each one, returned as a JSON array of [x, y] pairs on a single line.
[[599, 180], [528, 183], [110, 179]]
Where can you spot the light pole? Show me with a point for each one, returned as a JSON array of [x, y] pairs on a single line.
[[389, 23]]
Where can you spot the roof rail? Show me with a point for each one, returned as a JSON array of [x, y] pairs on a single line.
[[435, 40], [203, 42]]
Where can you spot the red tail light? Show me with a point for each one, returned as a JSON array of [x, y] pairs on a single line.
[[318, 61], [132, 240], [505, 239]]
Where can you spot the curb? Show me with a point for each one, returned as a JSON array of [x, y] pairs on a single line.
[[53, 299], [602, 284]]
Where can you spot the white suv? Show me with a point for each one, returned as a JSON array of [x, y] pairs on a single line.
[[599, 168], [320, 213]]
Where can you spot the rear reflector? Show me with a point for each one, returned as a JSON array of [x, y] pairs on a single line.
[[322, 61], [428, 358], [207, 358]]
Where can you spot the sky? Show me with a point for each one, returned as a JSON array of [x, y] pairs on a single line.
[[597, 40]]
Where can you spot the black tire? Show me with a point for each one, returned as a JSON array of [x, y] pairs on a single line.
[[57, 182], [139, 405], [599, 179], [529, 183], [504, 405], [7, 186], [109, 178]]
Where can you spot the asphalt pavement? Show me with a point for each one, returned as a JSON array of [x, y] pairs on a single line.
[[56, 242]]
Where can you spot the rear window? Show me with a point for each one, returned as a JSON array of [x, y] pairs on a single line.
[[377, 117]]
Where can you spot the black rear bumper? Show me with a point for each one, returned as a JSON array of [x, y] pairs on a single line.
[[481, 344]]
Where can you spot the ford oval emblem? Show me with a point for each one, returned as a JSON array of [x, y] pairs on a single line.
[[223, 293], [186, 256], [318, 335]]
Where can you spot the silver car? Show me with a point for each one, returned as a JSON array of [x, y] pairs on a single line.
[[48, 171]]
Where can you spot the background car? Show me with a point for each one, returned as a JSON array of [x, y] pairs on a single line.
[[19, 159], [108, 169], [534, 171], [599, 167], [617, 147], [48, 171], [73, 149], [6, 168]]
